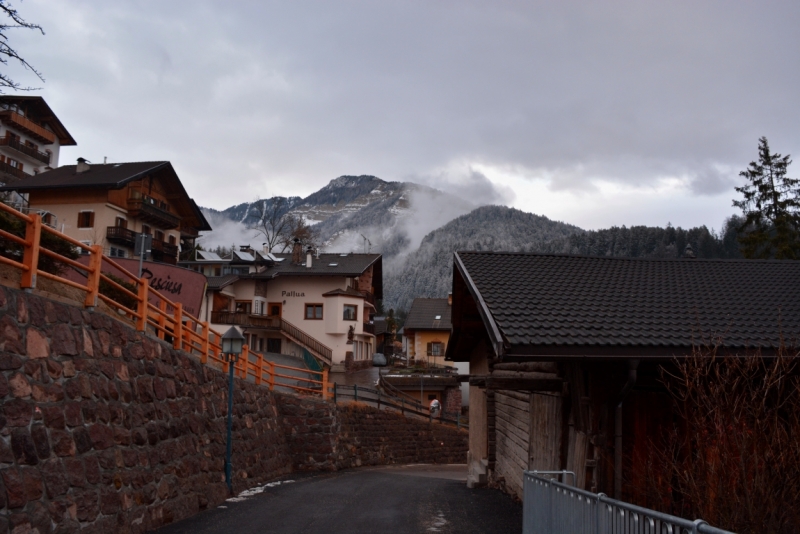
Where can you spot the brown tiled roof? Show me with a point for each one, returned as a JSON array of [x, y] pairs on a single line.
[[104, 175], [552, 301], [220, 282], [423, 313]]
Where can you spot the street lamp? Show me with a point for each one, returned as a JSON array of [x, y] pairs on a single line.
[[232, 342]]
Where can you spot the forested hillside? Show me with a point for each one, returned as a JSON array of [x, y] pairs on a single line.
[[427, 272]]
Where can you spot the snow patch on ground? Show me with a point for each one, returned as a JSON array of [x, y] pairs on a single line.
[[246, 494]]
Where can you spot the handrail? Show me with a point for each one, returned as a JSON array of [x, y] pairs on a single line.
[[304, 339], [392, 389], [555, 507], [362, 394], [151, 311], [14, 143], [23, 122]]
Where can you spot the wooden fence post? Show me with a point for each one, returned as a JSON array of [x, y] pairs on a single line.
[[93, 276], [260, 369], [30, 256], [162, 319], [177, 331], [245, 359], [271, 375], [204, 355], [324, 384], [142, 305]]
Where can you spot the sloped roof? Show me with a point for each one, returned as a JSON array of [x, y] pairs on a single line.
[[220, 282], [44, 114], [104, 175], [424, 312], [560, 304]]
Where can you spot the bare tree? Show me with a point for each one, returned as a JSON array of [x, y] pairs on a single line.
[[297, 228], [270, 218], [7, 52]]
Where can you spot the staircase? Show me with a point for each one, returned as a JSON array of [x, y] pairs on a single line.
[[477, 476], [317, 349]]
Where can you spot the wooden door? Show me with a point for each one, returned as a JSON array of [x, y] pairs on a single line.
[[274, 309]]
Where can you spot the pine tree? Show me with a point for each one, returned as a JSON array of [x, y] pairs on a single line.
[[771, 207]]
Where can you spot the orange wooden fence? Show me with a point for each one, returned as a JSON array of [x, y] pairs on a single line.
[[165, 319]]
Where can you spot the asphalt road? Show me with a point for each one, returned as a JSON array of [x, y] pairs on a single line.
[[397, 499]]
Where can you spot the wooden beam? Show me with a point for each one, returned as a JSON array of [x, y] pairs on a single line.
[[517, 384]]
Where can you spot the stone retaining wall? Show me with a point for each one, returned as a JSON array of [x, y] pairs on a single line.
[[104, 429]]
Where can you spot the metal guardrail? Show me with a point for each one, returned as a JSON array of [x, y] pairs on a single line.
[[380, 399], [551, 507]]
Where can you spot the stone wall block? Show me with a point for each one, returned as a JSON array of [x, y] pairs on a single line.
[[101, 435], [36, 343], [11, 336], [17, 412], [63, 341], [55, 478], [83, 442], [19, 386], [41, 441]]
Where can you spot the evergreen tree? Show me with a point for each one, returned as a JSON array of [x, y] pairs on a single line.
[[771, 207]]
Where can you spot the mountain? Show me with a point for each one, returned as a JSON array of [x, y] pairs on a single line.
[[427, 272], [354, 213]]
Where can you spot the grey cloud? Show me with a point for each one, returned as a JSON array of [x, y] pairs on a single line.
[[283, 96]]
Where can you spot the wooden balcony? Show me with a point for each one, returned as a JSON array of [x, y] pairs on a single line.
[[246, 319], [31, 152], [369, 328], [147, 211], [15, 120], [14, 173], [159, 250]]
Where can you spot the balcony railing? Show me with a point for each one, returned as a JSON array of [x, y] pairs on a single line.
[[270, 322], [28, 126], [143, 209], [123, 236], [13, 143], [161, 250], [369, 328], [12, 171]]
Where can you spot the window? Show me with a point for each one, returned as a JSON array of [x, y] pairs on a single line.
[[121, 222], [313, 311], [435, 348], [117, 252], [243, 306], [146, 230], [350, 312], [86, 219], [274, 345], [217, 271], [159, 235], [14, 163], [172, 240], [83, 250]]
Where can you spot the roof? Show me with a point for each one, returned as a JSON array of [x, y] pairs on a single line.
[[43, 114], [346, 265], [349, 292], [380, 326], [424, 312], [220, 282], [206, 255], [103, 175], [560, 304]]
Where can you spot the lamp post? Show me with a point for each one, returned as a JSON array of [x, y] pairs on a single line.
[[232, 343]]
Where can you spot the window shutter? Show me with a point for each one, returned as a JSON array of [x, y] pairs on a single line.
[[91, 220], [430, 348]]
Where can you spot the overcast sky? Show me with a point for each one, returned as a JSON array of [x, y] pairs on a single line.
[[594, 113]]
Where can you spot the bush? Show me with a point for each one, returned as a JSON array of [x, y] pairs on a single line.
[[14, 251], [733, 457], [115, 294]]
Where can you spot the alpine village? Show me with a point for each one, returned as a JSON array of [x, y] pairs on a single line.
[[162, 362]]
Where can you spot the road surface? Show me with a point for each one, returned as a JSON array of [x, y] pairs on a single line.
[[395, 499]]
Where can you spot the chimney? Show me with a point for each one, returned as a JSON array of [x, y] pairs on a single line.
[[297, 252], [449, 299], [309, 256], [82, 166]]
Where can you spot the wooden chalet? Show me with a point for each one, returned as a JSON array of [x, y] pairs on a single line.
[[110, 204], [565, 351]]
